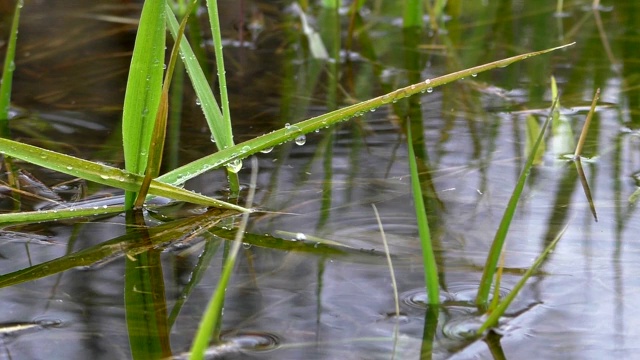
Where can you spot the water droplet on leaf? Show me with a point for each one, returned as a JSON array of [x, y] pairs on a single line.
[[301, 140]]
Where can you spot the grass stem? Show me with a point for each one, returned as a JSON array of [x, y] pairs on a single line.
[[587, 123], [9, 64], [211, 318], [432, 283]]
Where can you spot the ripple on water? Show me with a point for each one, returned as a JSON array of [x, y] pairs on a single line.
[[252, 340], [467, 292], [418, 298], [457, 294], [462, 327], [462, 319]]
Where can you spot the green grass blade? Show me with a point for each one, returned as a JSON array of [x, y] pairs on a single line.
[[211, 318], [56, 214], [144, 87], [247, 148], [208, 103], [102, 174], [227, 136], [587, 123], [214, 21], [156, 147], [204, 259], [503, 229], [532, 130], [492, 319], [412, 14], [432, 283], [9, 64]]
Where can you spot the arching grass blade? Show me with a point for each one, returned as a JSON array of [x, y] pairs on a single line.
[[247, 148]]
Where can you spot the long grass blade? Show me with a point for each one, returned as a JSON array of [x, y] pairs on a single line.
[[503, 229], [57, 214], [226, 138], [9, 64], [494, 316], [208, 103], [156, 147], [247, 148], [211, 318], [587, 124], [394, 284], [432, 283], [103, 174], [144, 88]]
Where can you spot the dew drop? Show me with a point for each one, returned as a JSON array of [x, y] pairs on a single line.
[[235, 165], [105, 177], [198, 102], [245, 149], [301, 140], [430, 90], [427, 82], [267, 150], [300, 236], [474, 75], [291, 129]]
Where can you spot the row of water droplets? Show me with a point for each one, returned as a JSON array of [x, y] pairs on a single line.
[[236, 165], [301, 139]]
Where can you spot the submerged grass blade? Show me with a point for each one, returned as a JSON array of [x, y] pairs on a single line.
[[494, 316], [103, 174], [211, 318], [389, 262], [103, 252], [247, 148], [394, 285], [503, 229], [144, 296], [432, 283], [144, 87], [9, 64]]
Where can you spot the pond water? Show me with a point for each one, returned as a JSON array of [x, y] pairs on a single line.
[[312, 281]]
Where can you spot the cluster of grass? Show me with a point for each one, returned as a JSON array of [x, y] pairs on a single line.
[[145, 113]]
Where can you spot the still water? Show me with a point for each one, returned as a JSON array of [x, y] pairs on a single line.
[[291, 296]]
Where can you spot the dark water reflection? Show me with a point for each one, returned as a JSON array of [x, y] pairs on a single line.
[[69, 87]]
